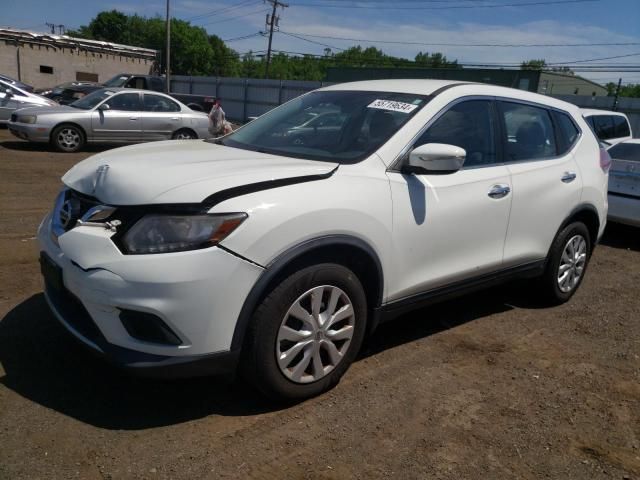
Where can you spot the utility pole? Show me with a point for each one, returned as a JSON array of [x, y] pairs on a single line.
[[615, 100], [273, 20], [52, 26], [168, 56]]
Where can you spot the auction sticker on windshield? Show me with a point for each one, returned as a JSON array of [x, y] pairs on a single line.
[[392, 106]]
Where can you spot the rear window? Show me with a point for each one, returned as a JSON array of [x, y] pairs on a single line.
[[610, 126], [566, 131], [626, 151], [603, 125], [621, 127]]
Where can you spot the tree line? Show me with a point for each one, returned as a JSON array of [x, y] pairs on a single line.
[[196, 52]]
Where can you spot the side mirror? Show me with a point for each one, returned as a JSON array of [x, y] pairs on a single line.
[[436, 158], [9, 92], [104, 107]]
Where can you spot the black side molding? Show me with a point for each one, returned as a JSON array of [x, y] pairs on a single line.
[[223, 195], [625, 195], [396, 308]]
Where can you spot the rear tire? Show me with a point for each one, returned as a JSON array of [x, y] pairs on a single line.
[[295, 351], [184, 134], [566, 264], [68, 138]]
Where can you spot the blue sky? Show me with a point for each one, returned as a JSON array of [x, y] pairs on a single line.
[[595, 21]]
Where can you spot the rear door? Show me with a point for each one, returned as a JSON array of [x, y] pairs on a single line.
[[538, 144], [161, 117], [121, 122]]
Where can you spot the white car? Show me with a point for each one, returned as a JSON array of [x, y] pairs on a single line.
[[12, 97], [610, 127], [278, 256], [624, 183]]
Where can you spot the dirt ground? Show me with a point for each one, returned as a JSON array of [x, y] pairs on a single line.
[[489, 386]]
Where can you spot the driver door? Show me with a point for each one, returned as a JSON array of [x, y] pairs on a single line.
[[451, 227], [121, 121]]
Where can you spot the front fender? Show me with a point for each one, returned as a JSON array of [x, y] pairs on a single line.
[[351, 205]]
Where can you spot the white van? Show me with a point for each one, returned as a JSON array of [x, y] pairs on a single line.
[[610, 127]]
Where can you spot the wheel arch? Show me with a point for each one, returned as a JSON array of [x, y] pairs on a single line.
[[73, 124], [352, 252], [181, 129], [587, 214]]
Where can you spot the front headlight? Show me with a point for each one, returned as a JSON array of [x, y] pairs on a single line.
[[158, 233], [27, 119]]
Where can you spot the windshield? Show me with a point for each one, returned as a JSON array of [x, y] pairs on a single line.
[[90, 101], [336, 126], [117, 81]]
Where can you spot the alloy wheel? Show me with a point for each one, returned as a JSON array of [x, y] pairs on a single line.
[[572, 263], [69, 138], [315, 334]]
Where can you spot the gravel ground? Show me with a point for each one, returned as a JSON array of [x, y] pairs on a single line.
[[488, 386]]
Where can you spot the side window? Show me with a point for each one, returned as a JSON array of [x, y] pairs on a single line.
[[136, 82], [621, 127], [156, 103], [156, 84], [566, 132], [125, 102], [529, 132], [468, 125], [603, 125]]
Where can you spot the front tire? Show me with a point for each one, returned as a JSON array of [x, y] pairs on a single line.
[[567, 263], [306, 333], [68, 138]]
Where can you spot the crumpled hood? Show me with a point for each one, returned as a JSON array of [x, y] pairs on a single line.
[[186, 171]]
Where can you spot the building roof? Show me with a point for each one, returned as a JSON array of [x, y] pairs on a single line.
[[64, 41]]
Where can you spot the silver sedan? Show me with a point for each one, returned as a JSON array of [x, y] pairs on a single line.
[[110, 115]]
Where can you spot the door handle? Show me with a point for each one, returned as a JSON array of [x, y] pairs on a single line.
[[568, 177], [133, 119], [499, 191], [175, 118]]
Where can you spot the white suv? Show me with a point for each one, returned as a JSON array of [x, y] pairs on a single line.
[[280, 246]]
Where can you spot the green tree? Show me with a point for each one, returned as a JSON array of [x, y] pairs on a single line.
[[226, 62], [539, 64]]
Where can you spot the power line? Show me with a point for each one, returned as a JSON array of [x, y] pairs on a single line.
[[217, 11], [237, 16], [243, 37], [596, 59], [436, 44], [448, 7], [310, 41], [411, 63]]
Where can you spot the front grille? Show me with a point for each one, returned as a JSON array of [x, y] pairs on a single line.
[[70, 208], [74, 313]]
